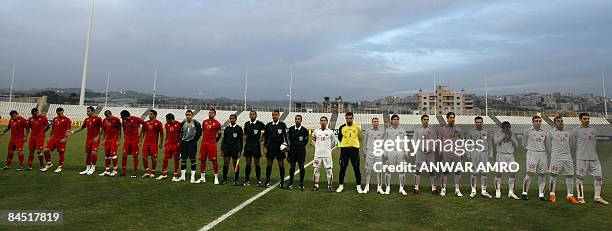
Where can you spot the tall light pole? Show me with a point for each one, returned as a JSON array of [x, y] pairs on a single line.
[[86, 56], [12, 80], [435, 95], [603, 81], [486, 97], [290, 87], [106, 92], [246, 85], [154, 85]]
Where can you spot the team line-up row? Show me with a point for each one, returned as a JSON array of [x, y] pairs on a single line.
[[280, 143]]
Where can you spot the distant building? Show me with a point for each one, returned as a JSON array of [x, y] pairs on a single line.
[[443, 100], [336, 106], [306, 106]]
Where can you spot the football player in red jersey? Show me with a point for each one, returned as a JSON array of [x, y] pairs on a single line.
[[111, 132], [37, 125], [60, 131], [172, 147], [153, 133], [131, 142], [93, 123], [17, 125], [211, 133]]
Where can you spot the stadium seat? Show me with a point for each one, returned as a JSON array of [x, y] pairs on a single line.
[[179, 114], [363, 119], [135, 111], [22, 108], [467, 122], [74, 112], [263, 116], [411, 122], [222, 116], [309, 120]]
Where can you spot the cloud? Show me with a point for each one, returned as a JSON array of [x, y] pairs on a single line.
[[357, 49]]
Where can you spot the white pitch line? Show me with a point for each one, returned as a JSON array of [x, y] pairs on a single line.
[[245, 203]]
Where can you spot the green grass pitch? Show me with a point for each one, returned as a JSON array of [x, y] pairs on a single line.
[[121, 203]]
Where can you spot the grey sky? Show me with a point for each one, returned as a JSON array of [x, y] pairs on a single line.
[[357, 49]]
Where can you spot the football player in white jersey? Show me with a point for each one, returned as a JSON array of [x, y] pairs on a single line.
[[324, 141]]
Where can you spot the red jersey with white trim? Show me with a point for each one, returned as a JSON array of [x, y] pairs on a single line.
[[61, 124], [173, 132], [152, 129], [93, 125], [210, 127], [130, 127], [37, 125], [111, 128], [18, 127]]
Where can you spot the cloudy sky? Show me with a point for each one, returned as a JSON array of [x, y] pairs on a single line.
[[357, 49]]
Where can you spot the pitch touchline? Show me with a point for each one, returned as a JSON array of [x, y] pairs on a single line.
[[245, 203]]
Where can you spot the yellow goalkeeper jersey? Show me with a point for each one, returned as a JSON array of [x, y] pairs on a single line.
[[349, 136]]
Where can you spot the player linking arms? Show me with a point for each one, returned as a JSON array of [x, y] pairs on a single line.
[[17, 125], [558, 142], [587, 160], [38, 125], [111, 132], [93, 123], [505, 143], [172, 147], [59, 135], [370, 136], [426, 155], [153, 133]]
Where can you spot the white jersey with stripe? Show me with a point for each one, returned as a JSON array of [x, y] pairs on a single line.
[[558, 142], [586, 143], [534, 139], [324, 142]]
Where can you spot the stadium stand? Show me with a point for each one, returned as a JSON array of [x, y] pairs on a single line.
[[263, 116], [570, 123], [520, 123], [309, 120], [179, 114], [135, 111], [22, 108], [411, 122], [364, 120], [222, 116], [467, 122], [74, 112], [599, 123]]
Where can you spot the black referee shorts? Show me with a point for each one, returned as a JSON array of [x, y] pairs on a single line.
[[274, 152], [252, 150], [230, 151], [297, 154]]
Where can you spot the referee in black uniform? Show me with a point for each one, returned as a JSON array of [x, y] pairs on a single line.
[[298, 139], [231, 147], [274, 136], [253, 131]]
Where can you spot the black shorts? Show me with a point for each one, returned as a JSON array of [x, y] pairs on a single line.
[[189, 149], [297, 154], [230, 151], [252, 150], [274, 152], [349, 155]]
